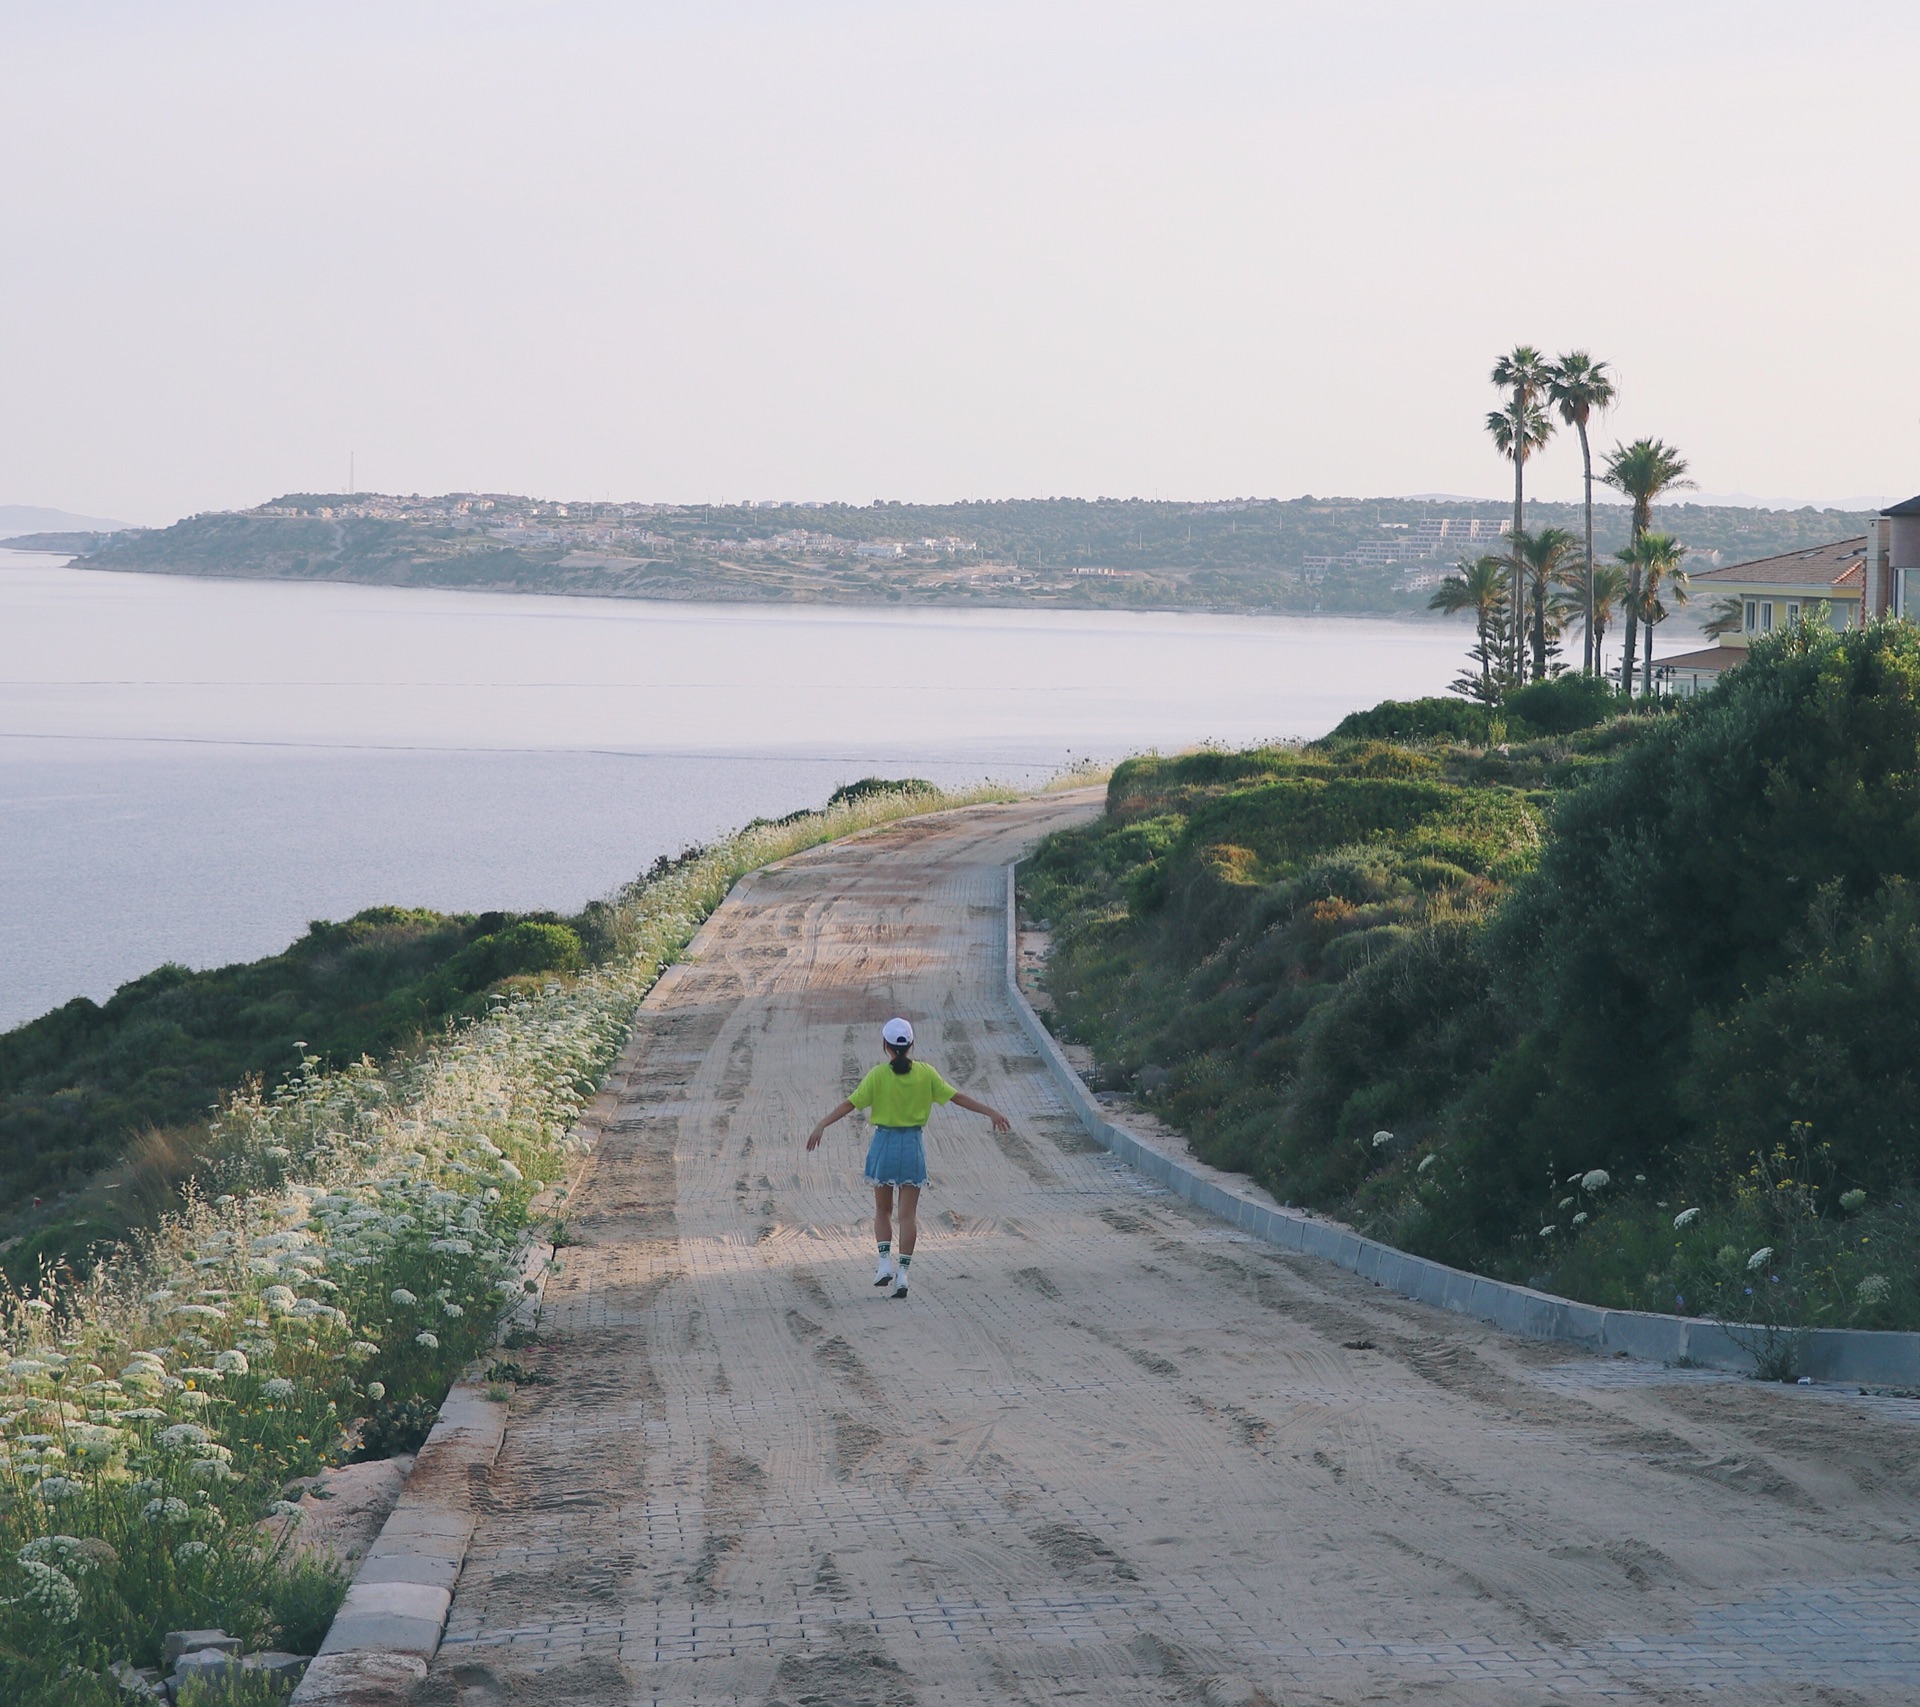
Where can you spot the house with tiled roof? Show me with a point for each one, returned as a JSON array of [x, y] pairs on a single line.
[[1846, 584]]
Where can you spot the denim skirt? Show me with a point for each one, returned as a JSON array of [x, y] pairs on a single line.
[[896, 1157]]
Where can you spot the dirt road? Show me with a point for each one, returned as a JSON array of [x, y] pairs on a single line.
[[1108, 1451]]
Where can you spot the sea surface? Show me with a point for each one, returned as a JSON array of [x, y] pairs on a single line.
[[190, 770]]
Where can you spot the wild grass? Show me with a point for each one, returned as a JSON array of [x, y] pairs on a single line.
[[348, 1249]]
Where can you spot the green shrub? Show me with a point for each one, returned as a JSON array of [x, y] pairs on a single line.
[[1564, 704], [1433, 719], [396, 1424], [302, 1601], [867, 786]]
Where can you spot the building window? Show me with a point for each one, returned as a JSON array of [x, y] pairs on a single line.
[[1753, 619], [1766, 616], [1793, 610]]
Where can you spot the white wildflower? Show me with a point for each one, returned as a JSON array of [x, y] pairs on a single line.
[[277, 1389], [430, 1340], [1595, 1179], [183, 1437], [1685, 1218], [1580, 1220], [50, 1591], [231, 1363], [278, 1298], [189, 1551], [54, 1489], [1852, 1200], [1760, 1258], [376, 1390], [1548, 1232], [1427, 1161], [401, 1296], [1874, 1289]]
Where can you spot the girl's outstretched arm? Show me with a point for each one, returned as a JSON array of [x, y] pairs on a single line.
[[1000, 1122], [840, 1113]]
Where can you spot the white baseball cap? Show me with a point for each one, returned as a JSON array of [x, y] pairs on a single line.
[[896, 1032]]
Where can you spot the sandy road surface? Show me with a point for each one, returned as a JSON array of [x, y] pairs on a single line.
[[1109, 1451]]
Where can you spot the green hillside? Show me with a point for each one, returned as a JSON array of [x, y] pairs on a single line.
[[92, 1086], [1523, 1007]]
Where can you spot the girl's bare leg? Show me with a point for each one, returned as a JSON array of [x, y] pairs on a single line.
[[883, 1215], [909, 1223]]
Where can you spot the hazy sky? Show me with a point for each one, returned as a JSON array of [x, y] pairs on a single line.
[[713, 250]]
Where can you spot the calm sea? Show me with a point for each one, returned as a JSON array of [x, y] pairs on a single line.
[[191, 770]]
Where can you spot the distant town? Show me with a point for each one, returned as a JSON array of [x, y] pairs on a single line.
[[1328, 555]]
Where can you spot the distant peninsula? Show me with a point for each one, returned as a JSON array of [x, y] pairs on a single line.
[[1332, 556]]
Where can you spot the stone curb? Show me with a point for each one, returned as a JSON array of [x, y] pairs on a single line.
[[1839, 1355], [388, 1627]]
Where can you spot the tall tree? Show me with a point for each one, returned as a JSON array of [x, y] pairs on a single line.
[[1601, 594], [1576, 386], [1643, 470], [1545, 558], [1481, 587], [1518, 431], [1653, 567]]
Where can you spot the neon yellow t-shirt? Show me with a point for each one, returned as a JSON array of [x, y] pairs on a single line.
[[901, 1099]]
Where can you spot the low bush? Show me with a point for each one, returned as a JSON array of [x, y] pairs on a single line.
[[1435, 719], [1564, 704]]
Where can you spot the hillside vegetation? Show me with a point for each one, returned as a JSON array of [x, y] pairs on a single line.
[[1242, 554], [1526, 1007], [82, 1084]]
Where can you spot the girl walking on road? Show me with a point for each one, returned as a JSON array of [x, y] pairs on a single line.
[[899, 1094]]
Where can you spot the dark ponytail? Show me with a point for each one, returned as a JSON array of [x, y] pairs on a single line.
[[901, 1061]]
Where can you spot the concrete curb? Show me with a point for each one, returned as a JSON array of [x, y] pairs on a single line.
[[1840, 1355]]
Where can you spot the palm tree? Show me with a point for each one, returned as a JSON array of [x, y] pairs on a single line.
[[1729, 617], [1603, 592], [1642, 470], [1653, 564], [1576, 386], [1481, 587], [1542, 560]]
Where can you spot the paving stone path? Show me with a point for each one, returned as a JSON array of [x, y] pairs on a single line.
[[1109, 1451]]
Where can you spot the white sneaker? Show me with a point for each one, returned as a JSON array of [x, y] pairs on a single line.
[[900, 1291], [883, 1275]]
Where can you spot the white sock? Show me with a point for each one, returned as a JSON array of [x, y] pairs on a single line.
[[886, 1261], [900, 1269]]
